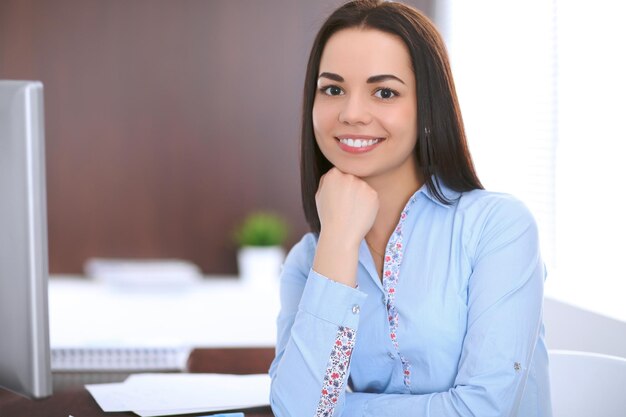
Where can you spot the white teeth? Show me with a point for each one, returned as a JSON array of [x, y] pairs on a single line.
[[359, 143]]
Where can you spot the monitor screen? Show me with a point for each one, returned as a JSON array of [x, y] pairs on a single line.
[[24, 338]]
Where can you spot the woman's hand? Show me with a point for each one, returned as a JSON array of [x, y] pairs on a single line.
[[347, 207]]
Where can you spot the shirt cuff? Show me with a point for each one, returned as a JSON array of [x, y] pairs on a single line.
[[332, 301]]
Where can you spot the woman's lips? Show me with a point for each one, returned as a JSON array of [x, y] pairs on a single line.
[[358, 145]]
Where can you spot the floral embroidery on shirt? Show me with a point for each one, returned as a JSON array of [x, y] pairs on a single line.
[[336, 371], [391, 271]]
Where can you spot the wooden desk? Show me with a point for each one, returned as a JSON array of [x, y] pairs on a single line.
[[240, 361], [79, 403]]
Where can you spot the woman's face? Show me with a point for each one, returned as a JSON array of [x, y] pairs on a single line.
[[365, 108]]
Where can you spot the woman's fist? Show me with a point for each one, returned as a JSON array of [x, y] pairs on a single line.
[[346, 205]]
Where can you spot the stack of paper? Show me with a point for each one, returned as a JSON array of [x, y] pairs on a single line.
[[167, 394]]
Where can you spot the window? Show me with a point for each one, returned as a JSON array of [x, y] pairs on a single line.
[[543, 92]]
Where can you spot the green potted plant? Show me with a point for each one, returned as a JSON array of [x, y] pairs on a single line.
[[260, 238]]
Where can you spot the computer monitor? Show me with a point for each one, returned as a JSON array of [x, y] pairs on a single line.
[[24, 337]]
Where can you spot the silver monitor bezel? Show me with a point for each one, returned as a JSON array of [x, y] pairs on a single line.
[[24, 328]]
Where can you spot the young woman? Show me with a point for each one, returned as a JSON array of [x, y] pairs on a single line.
[[417, 293]]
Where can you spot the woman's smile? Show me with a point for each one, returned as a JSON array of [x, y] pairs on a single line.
[[358, 143]]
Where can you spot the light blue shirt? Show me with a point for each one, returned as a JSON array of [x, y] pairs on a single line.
[[469, 326]]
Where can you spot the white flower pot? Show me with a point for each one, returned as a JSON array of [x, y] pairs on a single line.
[[260, 265]]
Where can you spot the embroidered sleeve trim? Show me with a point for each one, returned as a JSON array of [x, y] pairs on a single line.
[[336, 371]]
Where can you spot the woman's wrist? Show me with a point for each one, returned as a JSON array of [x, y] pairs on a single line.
[[336, 258], [339, 241]]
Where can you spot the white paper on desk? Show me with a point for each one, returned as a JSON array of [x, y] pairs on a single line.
[[110, 397], [227, 392], [162, 394]]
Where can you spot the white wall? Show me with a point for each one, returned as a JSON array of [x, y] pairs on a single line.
[[572, 328]]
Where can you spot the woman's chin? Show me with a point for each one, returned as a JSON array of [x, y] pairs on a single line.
[[360, 172]]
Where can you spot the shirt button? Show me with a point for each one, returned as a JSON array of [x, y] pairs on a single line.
[[356, 309], [391, 355]]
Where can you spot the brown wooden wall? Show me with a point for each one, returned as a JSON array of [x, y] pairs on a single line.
[[166, 121]]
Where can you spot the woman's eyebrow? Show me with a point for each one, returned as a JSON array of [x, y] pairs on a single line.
[[371, 80], [382, 77], [331, 76]]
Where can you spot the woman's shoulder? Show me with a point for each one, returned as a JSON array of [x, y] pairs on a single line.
[[494, 221], [307, 241], [491, 205], [303, 252], [484, 199]]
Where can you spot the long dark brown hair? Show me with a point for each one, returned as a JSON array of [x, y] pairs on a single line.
[[441, 150]]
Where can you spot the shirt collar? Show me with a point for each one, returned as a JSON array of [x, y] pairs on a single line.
[[447, 192]]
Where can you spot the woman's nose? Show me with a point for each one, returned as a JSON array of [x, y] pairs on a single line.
[[355, 111]]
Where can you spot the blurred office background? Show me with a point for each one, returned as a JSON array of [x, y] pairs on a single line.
[[168, 121]]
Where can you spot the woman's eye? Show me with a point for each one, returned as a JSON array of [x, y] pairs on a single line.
[[385, 93], [333, 90]]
